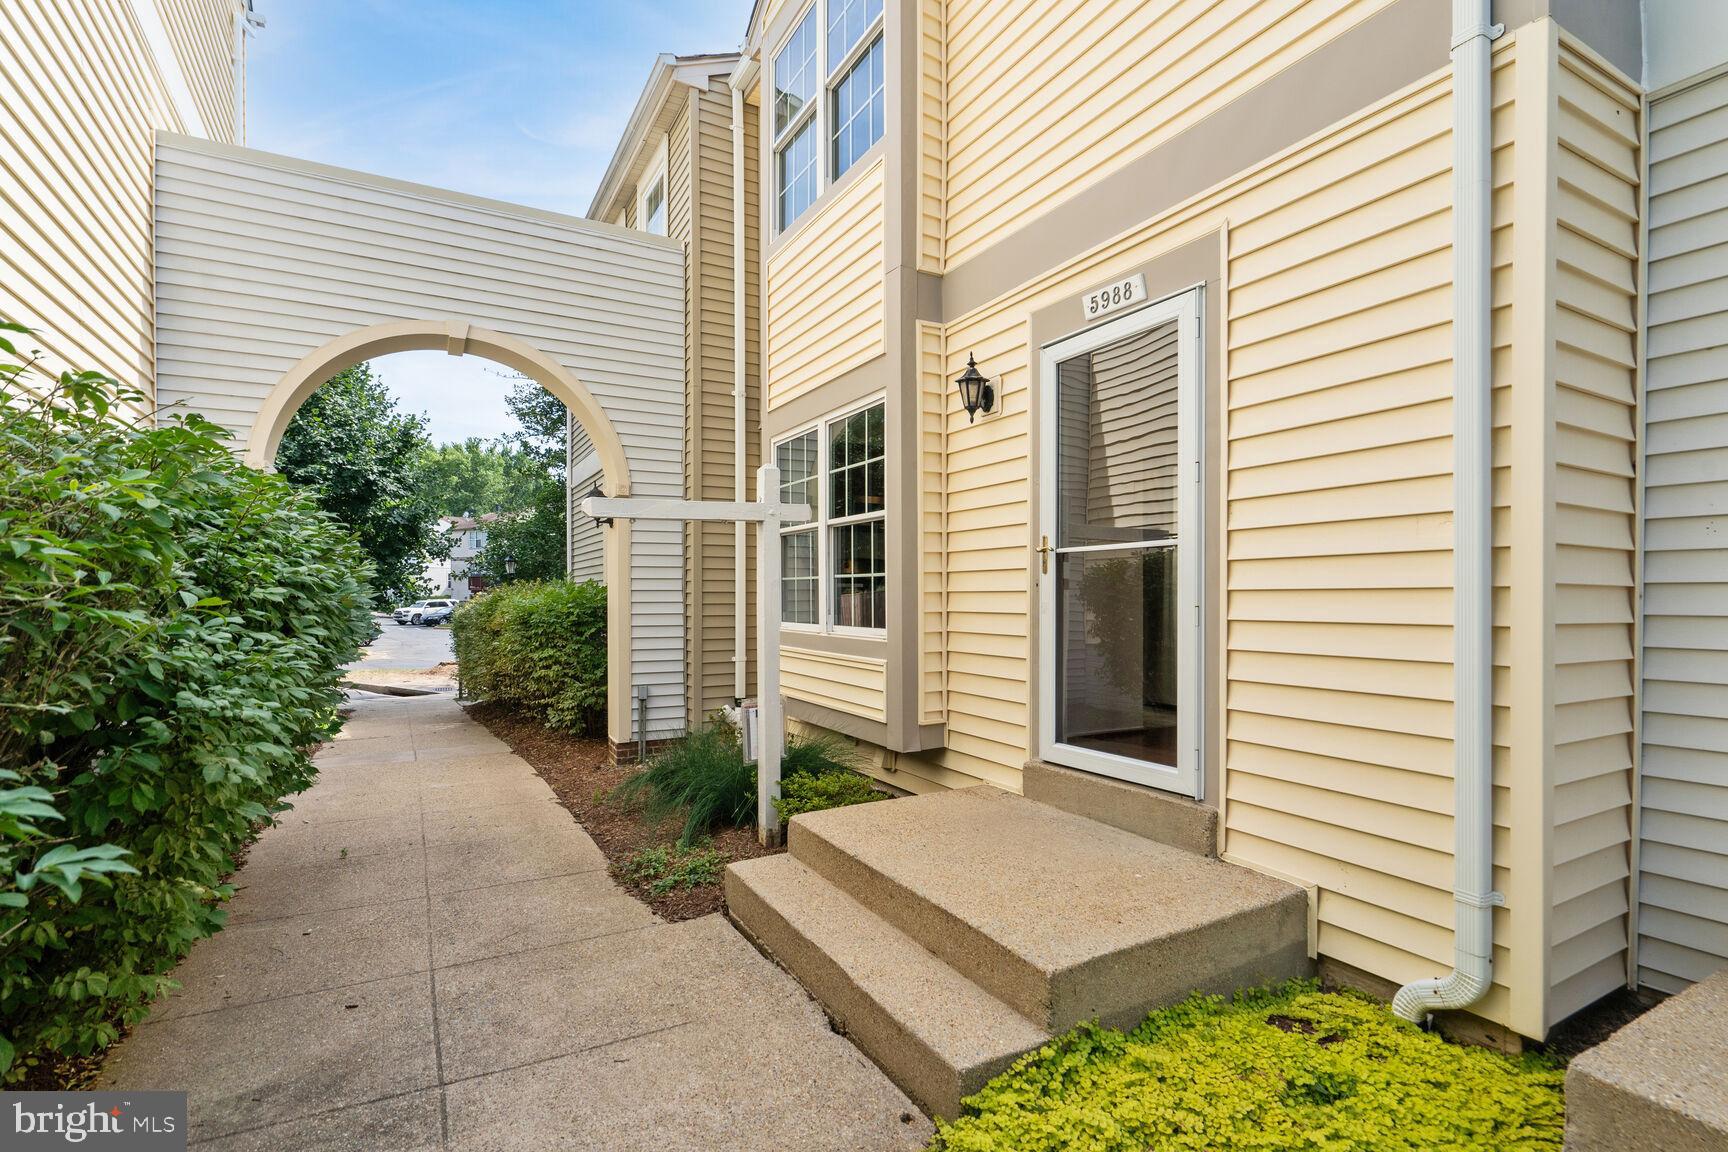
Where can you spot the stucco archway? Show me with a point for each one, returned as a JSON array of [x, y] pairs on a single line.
[[460, 338]]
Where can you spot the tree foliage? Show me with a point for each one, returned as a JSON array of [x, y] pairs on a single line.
[[476, 476], [173, 627], [532, 529], [365, 461]]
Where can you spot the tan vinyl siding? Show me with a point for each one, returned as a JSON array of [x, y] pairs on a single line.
[[1595, 401], [932, 131], [203, 37], [1096, 83], [1339, 566], [932, 531], [80, 100], [1683, 914], [824, 290], [586, 539], [710, 444], [854, 684]]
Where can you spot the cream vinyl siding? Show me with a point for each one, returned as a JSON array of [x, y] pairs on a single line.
[[80, 99], [202, 33], [1683, 917], [704, 179], [261, 260], [1045, 96], [1337, 508], [932, 524], [586, 539], [854, 684], [932, 131], [824, 290], [1595, 402]]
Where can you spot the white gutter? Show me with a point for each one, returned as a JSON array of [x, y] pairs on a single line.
[[1473, 894], [742, 77]]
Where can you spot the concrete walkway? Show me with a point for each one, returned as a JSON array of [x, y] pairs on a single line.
[[428, 953]]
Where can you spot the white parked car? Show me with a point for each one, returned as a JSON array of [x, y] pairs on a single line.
[[415, 613]]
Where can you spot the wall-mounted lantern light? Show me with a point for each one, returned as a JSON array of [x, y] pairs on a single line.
[[975, 391], [603, 521], [509, 565]]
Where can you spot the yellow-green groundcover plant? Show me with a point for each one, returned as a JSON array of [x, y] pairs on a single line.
[[1283, 1068]]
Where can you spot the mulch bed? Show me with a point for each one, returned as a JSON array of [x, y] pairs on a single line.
[[581, 775]]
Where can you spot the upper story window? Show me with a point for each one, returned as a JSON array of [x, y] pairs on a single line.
[[850, 117], [654, 208], [834, 571]]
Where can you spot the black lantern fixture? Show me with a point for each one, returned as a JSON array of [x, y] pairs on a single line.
[[509, 565], [603, 521], [975, 391]]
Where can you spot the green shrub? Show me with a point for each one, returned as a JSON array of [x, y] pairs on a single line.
[[538, 646], [803, 792], [1282, 1068], [173, 627], [704, 777], [668, 866]]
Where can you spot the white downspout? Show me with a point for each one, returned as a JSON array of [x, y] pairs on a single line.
[[1473, 607], [740, 79]]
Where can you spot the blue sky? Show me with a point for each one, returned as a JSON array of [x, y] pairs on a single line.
[[517, 100]]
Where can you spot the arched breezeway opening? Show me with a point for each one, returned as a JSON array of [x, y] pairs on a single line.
[[461, 338], [273, 274]]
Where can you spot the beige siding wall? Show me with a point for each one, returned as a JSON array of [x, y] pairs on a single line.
[[586, 540], [1337, 504], [824, 290], [1096, 82], [932, 131], [932, 467], [202, 33], [1683, 917], [854, 684], [1597, 176], [80, 99], [710, 463]]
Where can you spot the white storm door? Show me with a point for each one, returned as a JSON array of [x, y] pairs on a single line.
[[1119, 567]]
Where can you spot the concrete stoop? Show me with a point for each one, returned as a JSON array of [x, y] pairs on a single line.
[[1660, 1084], [948, 934]]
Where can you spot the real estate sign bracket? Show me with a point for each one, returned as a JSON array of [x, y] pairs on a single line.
[[768, 514]]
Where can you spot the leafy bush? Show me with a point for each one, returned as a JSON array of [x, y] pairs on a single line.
[[667, 866], [804, 792], [1285, 1068], [704, 777], [173, 627], [538, 646]]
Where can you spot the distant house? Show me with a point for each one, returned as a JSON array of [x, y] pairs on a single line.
[[452, 576]]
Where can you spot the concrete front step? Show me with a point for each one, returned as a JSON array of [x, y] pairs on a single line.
[[1060, 917], [1660, 1084], [937, 1035]]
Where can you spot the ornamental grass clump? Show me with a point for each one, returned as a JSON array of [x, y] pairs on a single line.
[[702, 778], [1286, 1068], [173, 628]]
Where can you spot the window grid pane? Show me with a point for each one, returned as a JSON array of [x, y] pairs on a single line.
[[795, 73], [796, 459], [858, 109], [798, 577], [857, 455], [860, 575], [847, 22], [655, 216], [795, 174]]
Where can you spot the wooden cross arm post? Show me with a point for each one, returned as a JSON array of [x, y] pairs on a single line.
[[768, 514]]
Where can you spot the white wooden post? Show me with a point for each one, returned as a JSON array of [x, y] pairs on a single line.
[[770, 724]]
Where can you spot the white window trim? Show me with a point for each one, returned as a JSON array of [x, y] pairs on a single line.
[[820, 107], [656, 174], [822, 522]]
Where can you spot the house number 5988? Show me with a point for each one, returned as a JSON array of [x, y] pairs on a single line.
[[1109, 298]]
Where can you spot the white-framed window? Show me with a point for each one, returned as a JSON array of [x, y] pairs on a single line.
[[651, 194], [834, 570], [847, 37]]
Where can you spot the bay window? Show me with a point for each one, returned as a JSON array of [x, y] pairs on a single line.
[[834, 574], [850, 116]]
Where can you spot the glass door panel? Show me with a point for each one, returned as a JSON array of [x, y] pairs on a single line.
[[1120, 660]]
